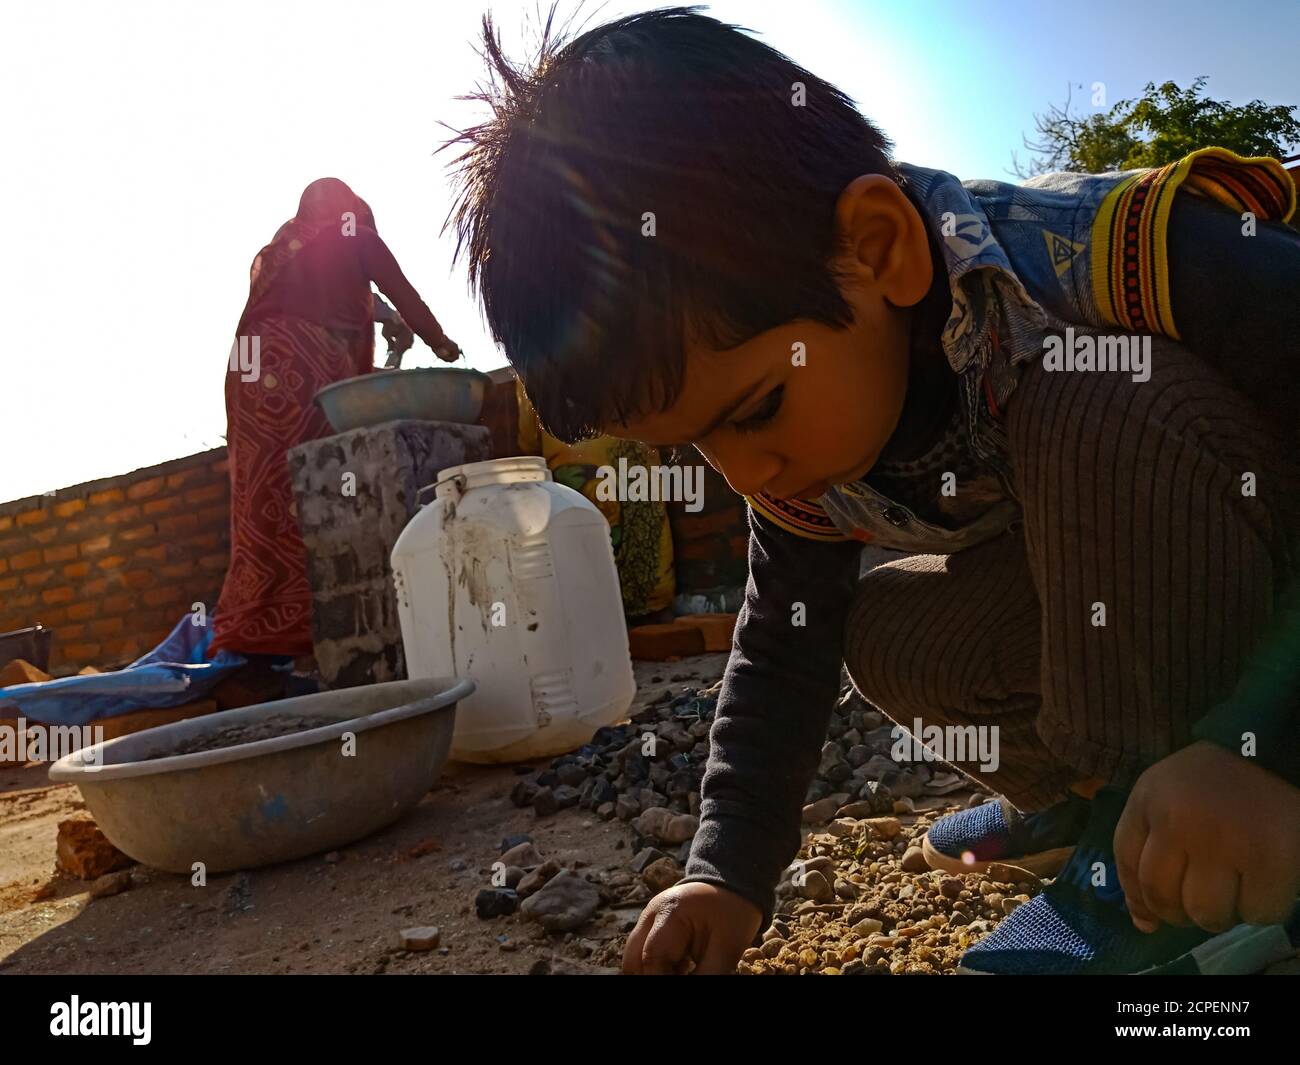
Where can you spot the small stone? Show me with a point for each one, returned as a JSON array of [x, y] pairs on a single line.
[[423, 937], [332, 858], [822, 810], [950, 886], [510, 842], [843, 827], [524, 855], [523, 793], [661, 824], [572, 775], [644, 857], [661, 875], [914, 860], [885, 827], [845, 890], [84, 851], [856, 967], [813, 885], [533, 881], [457, 865], [772, 947], [905, 805], [110, 884], [626, 807], [544, 803], [1009, 904], [513, 876], [868, 926], [566, 796], [567, 902], [605, 811], [1010, 874], [495, 902]]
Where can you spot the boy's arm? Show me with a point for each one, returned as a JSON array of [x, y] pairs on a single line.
[[1236, 300], [779, 688]]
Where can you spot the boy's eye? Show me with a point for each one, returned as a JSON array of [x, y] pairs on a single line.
[[764, 414]]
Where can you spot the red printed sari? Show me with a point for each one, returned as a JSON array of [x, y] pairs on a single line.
[[266, 603]]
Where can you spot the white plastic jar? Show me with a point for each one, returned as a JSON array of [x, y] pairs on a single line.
[[508, 578]]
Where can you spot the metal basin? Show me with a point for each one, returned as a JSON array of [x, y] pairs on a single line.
[[272, 799], [431, 393]]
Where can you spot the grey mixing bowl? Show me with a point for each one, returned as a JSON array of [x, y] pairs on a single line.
[[430, 393], [273, 799]]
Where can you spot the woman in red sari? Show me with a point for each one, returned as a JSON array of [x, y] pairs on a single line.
[[308, 322]]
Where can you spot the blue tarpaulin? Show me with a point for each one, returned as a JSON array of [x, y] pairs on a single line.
[[176, 671]]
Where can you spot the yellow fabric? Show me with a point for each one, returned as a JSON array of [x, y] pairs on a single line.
[[1130, 261]]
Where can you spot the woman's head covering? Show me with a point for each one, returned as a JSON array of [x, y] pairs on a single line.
[[328, 199], [321, 208]]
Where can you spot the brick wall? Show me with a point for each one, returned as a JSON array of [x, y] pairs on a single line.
[[111, 565]]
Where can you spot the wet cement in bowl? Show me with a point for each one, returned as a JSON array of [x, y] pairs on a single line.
[[247, 732]]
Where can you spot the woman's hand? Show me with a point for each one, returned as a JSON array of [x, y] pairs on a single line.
[[446, 349], [1209, 838]]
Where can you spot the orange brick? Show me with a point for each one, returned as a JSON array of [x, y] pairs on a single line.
[[175, 480], [6, 522], [151, 554], [161, 506], [81, 611], [106, 627], [45, 534], [4, 564], [93, 588], [140, 532], [138, 578], [214, 563], [71, 632], [178, 523], [173, 593], [93, 547], [113, 650], [109, 495], [60, 554], [8, 584], [207, 493], [122, 603], [51, 618], [217, 515], [80, 652], [76, 570], [57, 595], [655, 643], [718, 629], [145, 489], [111, 562], [38, 578], [207, 541], [26, 560], [69, 508], [123, 514], [221, 466], [32, 517], [176, 570]]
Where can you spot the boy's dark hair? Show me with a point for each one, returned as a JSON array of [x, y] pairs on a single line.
[[669, 112]]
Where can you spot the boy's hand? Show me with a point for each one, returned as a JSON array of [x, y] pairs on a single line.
[[1210, 838], [691, 923]]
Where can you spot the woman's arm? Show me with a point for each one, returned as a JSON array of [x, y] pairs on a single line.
[[382, 269]]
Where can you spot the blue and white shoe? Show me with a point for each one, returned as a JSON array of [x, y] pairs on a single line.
[[1080, 925], [969, 841]]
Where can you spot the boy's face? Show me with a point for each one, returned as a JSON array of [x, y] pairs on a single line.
[[805, 406]]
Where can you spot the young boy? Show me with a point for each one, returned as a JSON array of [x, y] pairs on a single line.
[[1065, 400]]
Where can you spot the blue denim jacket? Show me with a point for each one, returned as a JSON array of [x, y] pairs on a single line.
[[1062, 250]]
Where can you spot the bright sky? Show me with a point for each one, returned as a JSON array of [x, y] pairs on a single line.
[[153, 147]]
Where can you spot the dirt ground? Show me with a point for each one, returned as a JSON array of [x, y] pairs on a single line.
[[316, 915]]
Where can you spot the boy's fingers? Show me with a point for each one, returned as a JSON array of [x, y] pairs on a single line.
[[1160, 871], [665, 945], [633, 948], [1210, 892], [1130, 838], [1264, 899], [716, 959]]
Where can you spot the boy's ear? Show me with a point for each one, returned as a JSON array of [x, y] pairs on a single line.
[[884, 239]]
